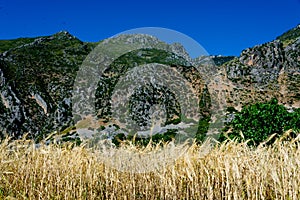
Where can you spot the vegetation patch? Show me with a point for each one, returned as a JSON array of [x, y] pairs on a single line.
[[259, 121]]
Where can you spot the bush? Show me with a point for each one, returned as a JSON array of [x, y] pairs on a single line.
[[155, 139], [259, 121]]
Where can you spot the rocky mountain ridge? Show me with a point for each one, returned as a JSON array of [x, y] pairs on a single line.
[[37, 77], [270, 70], [36, 83]]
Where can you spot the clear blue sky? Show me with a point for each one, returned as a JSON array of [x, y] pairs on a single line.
[[221, 26]]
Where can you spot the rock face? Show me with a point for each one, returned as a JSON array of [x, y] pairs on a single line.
[[37, 77], [266, 71], [150, 76], [36, 80]]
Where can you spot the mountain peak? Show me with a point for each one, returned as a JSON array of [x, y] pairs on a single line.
[[63, 35], [145, 40]]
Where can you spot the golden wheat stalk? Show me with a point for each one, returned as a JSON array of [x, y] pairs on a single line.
[[228, 170]]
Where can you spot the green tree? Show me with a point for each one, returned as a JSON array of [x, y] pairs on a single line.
[[258, 121]]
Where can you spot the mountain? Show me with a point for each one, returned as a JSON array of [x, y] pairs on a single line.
[[270, 70], [37, 77], [36, 80]]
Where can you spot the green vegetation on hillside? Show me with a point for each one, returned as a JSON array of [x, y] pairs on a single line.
[[220, 60], [290, 36], [6, 45], [43, 69]]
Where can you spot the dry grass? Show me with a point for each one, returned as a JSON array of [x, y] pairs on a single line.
[[226, 171]]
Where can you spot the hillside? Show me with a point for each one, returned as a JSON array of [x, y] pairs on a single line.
[[266, 71], [37, 77], [36, 83]]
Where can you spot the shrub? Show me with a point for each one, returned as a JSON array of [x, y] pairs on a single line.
[[140, 141], [259, 121]]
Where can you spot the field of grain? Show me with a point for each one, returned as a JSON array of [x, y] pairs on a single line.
[[224, 171]]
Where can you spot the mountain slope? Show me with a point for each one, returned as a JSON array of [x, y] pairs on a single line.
[[37, 77], [266, 71], [36, 83]]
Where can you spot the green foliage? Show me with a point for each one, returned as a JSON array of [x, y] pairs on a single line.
[[257, 122], [118, 139], [203, 124], [155, 139], [231, 110], [75, 141], [202, 128], [290, 35], [175, 120], [46, 66], [2, 107], [150, 95], [10, 44], [220, 60]]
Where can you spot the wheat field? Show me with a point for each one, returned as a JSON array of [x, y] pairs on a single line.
[[229, 170]]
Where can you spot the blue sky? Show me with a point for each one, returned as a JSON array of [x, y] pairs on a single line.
[[221, 26]]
